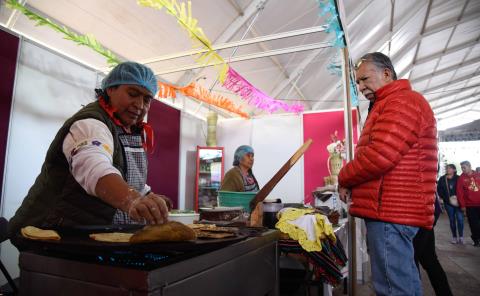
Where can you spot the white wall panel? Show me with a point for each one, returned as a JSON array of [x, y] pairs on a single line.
[[275, 139], [48, 90], [192, 134], [232, 133]]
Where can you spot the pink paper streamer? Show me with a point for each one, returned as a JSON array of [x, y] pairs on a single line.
[[253, 96]]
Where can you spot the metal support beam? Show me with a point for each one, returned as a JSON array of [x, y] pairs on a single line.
[[454, 93], [440, 54], [252, 56], [52, 47], [460, 79], [233, 28], [456, 101], [295, 73], [427, 14], [446, 70], [440, 119], [347, 115], [12, 19], [411, 14], [249, 41], [358, 11], [392, 19], [282, 69], [451, 23], [457, 107]]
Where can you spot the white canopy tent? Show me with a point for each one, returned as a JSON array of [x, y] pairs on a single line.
[[433, 43], [284, 50]]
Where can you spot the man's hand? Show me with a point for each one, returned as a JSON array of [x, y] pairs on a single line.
[[464, 211], [167, 200], [344, 194], [152, 208]]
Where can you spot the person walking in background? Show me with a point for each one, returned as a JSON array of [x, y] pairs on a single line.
[[425, 255], [446, 189], [468, 194]]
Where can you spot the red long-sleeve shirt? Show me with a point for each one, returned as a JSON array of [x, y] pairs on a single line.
[[468, 190]]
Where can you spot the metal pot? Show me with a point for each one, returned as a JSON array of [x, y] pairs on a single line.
[[270, 210]]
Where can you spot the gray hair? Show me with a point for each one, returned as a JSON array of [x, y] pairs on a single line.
[[466, 162], [380, 61]]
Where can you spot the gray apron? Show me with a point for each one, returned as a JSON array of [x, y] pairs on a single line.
[[136, 169]]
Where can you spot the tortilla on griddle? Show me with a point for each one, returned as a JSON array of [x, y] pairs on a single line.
[[201, 226], [112, 237], [32, 232], [171, 231], [206, 234]]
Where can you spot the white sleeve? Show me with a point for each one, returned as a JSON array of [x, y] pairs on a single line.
[[88, 148]]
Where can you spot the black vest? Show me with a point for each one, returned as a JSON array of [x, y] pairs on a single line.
[[56, 198]]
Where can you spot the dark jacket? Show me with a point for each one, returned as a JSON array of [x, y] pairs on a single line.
[[442, 188], [56, 199], [393, 175]]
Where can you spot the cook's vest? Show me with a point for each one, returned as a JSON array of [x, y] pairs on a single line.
[[56, 198]]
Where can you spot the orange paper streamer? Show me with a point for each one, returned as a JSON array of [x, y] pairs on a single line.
[[202, 94]]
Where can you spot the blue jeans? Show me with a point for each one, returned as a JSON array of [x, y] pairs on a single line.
[[390, 247], [455, 216]]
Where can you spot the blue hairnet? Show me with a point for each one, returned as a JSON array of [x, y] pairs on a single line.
[[240, 152], [131, 73]]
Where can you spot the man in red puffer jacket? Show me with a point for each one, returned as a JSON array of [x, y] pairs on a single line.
[[392, 178], [468, 194]]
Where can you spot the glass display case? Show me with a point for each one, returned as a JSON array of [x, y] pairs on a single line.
[[209, 176]]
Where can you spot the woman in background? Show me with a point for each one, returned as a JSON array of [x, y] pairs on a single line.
[[240, 178], [446, 187]]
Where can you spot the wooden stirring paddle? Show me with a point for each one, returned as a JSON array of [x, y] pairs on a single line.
[[265, 191]]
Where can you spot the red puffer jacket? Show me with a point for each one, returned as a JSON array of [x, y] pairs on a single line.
[[393, 173]]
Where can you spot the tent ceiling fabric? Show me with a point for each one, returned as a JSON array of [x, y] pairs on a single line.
[[435, 43]]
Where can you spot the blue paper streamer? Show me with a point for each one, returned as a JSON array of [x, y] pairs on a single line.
[[328, 8]]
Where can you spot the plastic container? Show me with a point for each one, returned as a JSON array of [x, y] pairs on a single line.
[[185, 218], [236, 199]]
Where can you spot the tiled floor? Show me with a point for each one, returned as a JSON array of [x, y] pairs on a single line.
[[460, 262]]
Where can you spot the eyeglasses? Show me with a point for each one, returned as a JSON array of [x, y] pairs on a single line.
[[357, 65]]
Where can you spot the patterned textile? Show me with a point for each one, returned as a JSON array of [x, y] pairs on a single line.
[[327, 264], [306, 227], [249, 183], [136, 169]]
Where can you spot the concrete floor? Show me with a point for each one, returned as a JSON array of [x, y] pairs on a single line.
[[460, 262]]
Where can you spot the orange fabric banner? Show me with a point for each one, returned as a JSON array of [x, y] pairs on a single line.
[[202, 94]]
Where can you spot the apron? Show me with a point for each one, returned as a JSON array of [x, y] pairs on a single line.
[[136, 169]]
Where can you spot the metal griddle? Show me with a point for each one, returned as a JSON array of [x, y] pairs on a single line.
[[77, 240]]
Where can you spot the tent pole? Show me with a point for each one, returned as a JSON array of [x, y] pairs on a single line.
[[347, 116]]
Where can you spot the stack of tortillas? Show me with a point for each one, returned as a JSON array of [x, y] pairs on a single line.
[[213, 231], [32, 232]]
